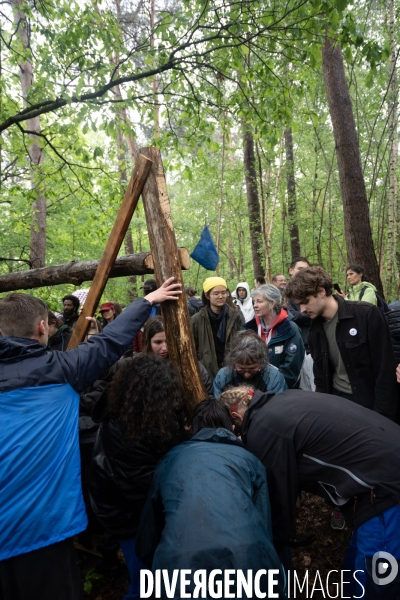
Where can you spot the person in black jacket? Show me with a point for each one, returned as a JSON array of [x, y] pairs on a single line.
[[140, 421], [335, 449], [349, 342]]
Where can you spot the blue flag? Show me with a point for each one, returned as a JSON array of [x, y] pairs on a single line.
[[205, 252]]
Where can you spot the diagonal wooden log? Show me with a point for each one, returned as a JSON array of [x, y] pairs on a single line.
[[129, 203], [76, 272], [164, 250]]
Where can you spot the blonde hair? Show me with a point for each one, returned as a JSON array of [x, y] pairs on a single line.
[[233, 395]]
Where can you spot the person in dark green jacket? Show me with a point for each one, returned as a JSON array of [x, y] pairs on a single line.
[[285, 344], [215, 325]]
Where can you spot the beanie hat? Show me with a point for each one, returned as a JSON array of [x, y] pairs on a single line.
[[211, 282]]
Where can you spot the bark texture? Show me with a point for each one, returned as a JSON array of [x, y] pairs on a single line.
[[291, 192], [360, 247], [253, 202], [38, 210], [181, 348]]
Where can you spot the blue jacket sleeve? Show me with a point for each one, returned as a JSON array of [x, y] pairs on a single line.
[[274, 380], [220, 381], [86, 363]]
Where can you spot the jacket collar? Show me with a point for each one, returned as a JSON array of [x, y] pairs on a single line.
[[14, 349]]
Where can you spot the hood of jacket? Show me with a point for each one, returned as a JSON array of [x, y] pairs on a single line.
[[14, 349], [245, 285], [219, 436]]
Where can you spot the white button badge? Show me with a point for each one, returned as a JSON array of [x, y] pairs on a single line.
[[353, 331]]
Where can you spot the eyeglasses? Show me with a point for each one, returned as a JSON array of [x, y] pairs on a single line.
[[218, 294], [252, 370]]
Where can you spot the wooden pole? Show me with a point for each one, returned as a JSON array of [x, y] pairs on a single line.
[[178, 331], [76, 272], [129, 203]]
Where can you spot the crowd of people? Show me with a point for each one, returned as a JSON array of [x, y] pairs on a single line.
[[301, 394]]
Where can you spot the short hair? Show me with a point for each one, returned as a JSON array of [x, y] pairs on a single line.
[[20, 313], [73, 299], [247, 348], [278, 275], [152, 326], [260, 279], [210, 413], [306, 283], [145, 398], [298, 259], [233, 395], [271, 294]]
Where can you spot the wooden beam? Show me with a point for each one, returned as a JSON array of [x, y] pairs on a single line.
[[76, 272], [181, 348], [129, 203]]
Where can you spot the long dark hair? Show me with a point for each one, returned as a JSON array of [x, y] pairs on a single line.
[[152, 326], [145, 398]]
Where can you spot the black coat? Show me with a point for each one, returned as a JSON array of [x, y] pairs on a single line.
[[302, 321], [363, 337], [327, 446], [393, 319], [121, 473]]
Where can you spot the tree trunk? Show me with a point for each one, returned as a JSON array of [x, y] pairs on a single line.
[[38, 215], [253, 202], [392, 272], [181, 348], [360, 247], [291, 192]]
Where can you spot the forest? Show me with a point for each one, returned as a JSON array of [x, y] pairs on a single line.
[[277, 123]]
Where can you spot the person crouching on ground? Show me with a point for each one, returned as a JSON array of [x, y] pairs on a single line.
[[140, 421], [247, 361], [208, 507]]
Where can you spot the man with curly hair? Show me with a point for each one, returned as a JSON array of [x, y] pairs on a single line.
[[41, 499]]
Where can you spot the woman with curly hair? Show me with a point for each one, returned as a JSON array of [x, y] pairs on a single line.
[[141, 419]]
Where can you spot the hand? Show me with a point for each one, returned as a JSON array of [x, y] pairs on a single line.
[[340, 294], [91, 319], [168, 291], [398, 373]]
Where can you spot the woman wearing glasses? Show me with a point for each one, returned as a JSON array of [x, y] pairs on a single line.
[[247, 363], [282, 336], [215, 325]]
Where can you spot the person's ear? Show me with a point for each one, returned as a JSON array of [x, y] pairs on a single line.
[[41, 327], [321, 292], [236, 415]]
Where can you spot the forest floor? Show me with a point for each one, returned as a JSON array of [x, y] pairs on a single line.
[[324, 554]]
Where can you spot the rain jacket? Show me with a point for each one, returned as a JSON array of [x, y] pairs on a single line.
[[273, 380], [324, 445], [40, 481], [369, 294], [247, 305], [208, 508], [204, 340], [285, 349]]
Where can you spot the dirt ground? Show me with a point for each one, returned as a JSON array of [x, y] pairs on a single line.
[[325, 554]]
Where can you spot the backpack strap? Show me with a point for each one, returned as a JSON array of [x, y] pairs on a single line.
[[362, 292]]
